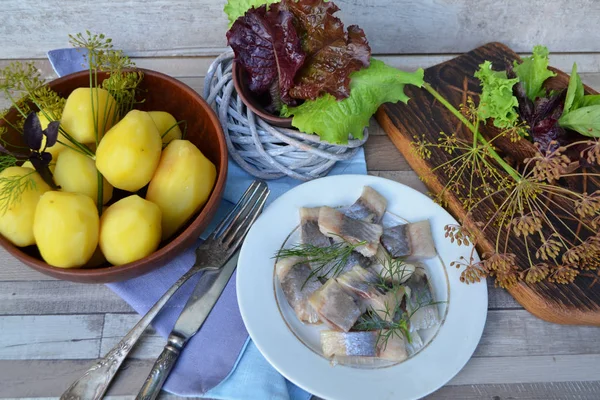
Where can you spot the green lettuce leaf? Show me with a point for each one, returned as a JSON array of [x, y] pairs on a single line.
[[497, 100], [590, 100], [574, 92], [370, 87], [533, 71], [585, 120], [236, 8]]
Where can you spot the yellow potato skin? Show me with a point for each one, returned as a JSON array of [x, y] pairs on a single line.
[[166, 122], [16, 224], [129, 230], [181, 184], [76, 173], [129, 153], [78, 116], [66, 228]]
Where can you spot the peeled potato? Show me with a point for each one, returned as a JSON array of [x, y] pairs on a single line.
[[129, 230], [130, 151], [167, 126], [16, 223], [181, 185], [86, 111], [66, 228], [76, 173]]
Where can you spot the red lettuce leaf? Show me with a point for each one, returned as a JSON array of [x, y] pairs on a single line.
[[331, 53], [267, 46]]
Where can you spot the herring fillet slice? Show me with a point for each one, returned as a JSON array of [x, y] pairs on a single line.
[[396, 241], [354, 259], [416, 343], [381, 266], [360, 283], [369, 207], [335, 307], [293, 273], [338, 226], [422, 316], [421, 239], [412, 239], [336, 343], [394, 349], [309, 228], [384, 304]]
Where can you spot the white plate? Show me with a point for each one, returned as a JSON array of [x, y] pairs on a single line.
[[292, 348]]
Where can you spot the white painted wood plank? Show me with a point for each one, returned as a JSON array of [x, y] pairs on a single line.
[[519, 333], [116, 326], [528, 369], [58, 297], [521, 391], [192, 27], [50, 336], [53, 377]]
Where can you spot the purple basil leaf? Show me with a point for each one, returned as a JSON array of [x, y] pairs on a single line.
[[32, 131], [267, 46], [40, 162], [51, 133]]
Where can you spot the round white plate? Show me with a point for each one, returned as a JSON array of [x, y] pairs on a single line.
[[292, 348]]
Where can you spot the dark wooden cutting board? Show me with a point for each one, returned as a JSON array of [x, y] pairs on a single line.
[[575, 303]]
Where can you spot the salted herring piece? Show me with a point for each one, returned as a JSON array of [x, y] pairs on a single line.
[[293, 273], [423, 316], [355, 258], [421, 239], [339, 227], [334, 306], [336, 343], [394, 349], [383, 262], [309, 228], [416, 343], [369, 207], [412, 239], [385, 304], [360, 283], [396, 241]]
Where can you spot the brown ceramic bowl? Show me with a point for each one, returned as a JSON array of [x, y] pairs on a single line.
[[161, 93], [250, 100]]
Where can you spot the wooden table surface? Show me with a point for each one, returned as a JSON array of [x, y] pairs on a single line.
[[51, 331]]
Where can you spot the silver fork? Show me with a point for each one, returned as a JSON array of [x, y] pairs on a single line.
[[212, 253]]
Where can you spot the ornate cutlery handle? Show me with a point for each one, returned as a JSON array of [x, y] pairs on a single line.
[[161, 369], [94, 383]]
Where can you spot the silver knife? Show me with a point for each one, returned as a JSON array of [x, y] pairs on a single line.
[[195, 312]]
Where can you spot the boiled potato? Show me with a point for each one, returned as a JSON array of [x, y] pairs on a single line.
[[66, 228], [167, 126], [130, 151], [16, 223], [129, 230], [86, 111], [181, 185], [58, 147], [76, 173]]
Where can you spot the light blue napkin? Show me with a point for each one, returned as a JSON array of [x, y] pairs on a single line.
[[220, 362]]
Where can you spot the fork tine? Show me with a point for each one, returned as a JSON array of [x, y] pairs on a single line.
[[244, 226], [243, 202]]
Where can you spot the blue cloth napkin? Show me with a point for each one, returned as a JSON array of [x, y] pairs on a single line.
[[220, 362]]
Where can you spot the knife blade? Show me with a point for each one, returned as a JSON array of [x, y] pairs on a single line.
[[198, 307]]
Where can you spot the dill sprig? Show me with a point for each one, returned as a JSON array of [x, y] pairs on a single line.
[[325, 261], [12, 188], [528, 203]]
